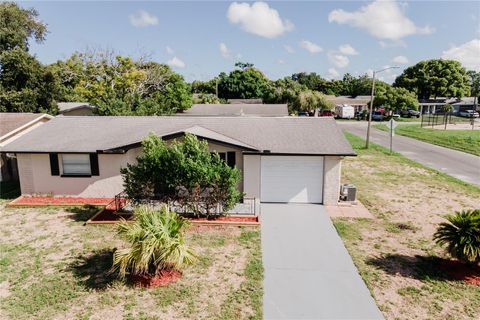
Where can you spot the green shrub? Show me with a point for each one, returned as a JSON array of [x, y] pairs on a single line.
[[157, 243], [183, 173], [461, 235]]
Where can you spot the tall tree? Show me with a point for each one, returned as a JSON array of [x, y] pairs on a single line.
[[435, 78], [25, 84], [118, 85], [18, 25], [474, 77], [244, 83], [393, 98]]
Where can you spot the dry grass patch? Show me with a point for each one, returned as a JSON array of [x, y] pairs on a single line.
[[394, 252], [54, 267]]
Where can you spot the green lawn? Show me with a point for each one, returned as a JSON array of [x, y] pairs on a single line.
[[54, 267], [462, 140], [394, 252]]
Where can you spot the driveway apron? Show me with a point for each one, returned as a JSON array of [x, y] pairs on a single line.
[[308, 272]]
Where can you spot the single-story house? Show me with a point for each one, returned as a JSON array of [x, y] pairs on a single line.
[[75, 109], [282, 159], [245, 101], [359, 103], [258, 110], [435, 105], [13, 126]]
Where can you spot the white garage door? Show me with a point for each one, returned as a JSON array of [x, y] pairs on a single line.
[[291, 179]]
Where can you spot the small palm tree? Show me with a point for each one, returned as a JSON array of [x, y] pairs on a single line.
[[157, 243], [461, 234]]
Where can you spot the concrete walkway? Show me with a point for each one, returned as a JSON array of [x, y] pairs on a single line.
[[308, 272], [461, 165]]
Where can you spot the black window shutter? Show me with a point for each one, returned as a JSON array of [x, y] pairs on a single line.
[[94, 164], [222, 155], [231, 158], [55, 171]]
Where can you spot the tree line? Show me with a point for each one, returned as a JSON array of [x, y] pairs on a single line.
[[121, 85]]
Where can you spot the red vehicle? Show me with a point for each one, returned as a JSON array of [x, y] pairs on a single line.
[[326, 113]]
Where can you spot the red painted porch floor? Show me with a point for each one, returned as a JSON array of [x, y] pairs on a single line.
[[34, 201]]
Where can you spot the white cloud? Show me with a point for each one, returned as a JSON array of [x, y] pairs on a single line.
[[468, 54], [310, 46], [169, 50], [332, 73], [382, 19], [369, 72], [288, 48], [258, 19], [224, 51], [348, 50], [281, 61], [400, 60], [338, 60], [143, 19], [176, 63]]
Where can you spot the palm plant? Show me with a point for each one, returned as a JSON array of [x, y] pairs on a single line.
[[157, 243], [461, 234]]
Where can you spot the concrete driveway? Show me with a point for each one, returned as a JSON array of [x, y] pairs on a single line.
[[308, 272], [461, 165]]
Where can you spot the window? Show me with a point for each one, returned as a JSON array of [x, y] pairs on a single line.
[[228, 157], [76, 164]]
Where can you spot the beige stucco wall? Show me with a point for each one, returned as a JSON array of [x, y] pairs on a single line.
[[36, 178], [331, 178], [251, 176]]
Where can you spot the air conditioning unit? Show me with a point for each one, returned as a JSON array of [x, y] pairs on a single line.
[[348, 192]]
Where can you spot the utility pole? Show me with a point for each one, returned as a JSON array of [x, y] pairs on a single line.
[[367, 140]]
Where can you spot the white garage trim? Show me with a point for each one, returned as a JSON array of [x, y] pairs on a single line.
[[296, 179]]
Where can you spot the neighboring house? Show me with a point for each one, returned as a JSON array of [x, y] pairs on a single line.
[[13, 126], [359, 103], [282, 159], [259, 110], [75, 109], [245, 101], [435, 105]]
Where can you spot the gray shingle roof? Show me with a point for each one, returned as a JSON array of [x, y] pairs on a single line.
[[10, 121], [270, 110], [69, 106], [290, 135]]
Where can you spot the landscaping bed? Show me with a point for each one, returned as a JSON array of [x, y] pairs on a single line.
[[53, 267], [409, 275]]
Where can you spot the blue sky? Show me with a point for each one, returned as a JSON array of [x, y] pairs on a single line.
[[200, 39]]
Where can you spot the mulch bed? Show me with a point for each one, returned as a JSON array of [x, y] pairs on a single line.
[[462, 272], [59, 201], [228, 219], [163, 279]]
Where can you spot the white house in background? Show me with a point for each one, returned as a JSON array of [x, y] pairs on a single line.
[[13, 126], [282, 159], [75, 109]]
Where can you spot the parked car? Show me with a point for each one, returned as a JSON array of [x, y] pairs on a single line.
[[303, 114], [468, 114], [326, 113], [377, 116], [410, 113]]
